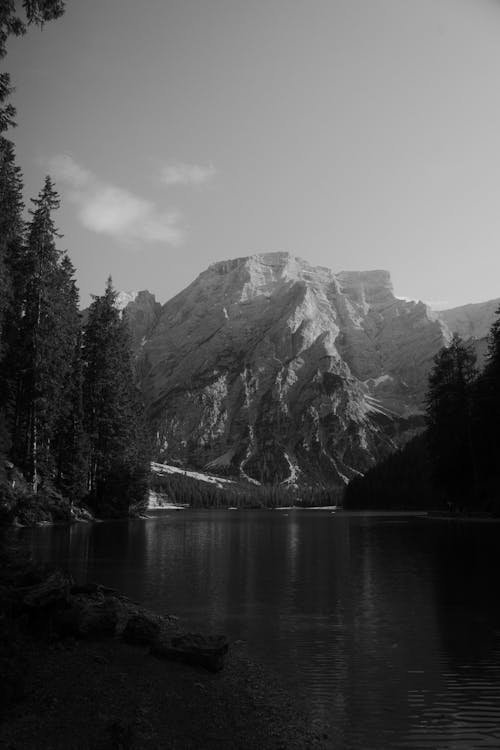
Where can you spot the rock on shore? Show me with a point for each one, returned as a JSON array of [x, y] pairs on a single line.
[[78, 672]]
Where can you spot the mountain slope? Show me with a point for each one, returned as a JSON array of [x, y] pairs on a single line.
[[142, 311], [471, 321], [275, 370]]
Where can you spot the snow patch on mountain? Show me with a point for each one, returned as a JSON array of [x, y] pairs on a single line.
[[164, 469]]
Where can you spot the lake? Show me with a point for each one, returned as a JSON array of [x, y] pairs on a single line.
[[390, 624]]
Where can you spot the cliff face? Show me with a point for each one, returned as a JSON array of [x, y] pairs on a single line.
[[275, 370], [142, 311]]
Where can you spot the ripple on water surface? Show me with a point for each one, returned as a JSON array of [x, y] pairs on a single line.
[[391, 627]]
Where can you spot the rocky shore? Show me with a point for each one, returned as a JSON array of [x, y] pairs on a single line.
[[85, 668]]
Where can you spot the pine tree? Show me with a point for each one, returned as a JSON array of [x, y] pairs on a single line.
[[36, 12], [487, 413], [46, 341], [450, 422], [11, 228], [11, 273], [69, 443], [492, 366], [118, 460], [11, 206]]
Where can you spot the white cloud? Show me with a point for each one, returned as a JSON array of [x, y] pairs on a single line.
[[106, 209], [179, 173], [64, 168]]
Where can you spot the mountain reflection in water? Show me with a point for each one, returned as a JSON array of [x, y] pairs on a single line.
[[390, 626]]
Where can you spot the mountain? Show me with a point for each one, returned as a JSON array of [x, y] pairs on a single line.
[[142, 311], [472, 322], [274, 370]]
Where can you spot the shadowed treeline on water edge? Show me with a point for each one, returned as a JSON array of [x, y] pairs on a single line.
[[454, 464], [177, 488]]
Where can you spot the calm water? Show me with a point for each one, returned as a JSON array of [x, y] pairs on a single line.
[[390, 624]]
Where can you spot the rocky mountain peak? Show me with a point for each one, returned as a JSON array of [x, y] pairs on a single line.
[[367, 288], [272, 369], [260, 275], [265, 273]]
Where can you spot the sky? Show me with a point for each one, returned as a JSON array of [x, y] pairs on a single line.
[[356, 134]]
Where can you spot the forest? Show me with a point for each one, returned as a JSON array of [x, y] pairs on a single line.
[[73, 438], [177, 488], [72, 435], [453, 465]]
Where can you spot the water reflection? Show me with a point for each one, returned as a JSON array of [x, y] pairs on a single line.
[[389, 625]]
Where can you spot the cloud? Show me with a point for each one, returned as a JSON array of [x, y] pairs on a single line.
[[106, 209], [64, 168], [179, 173]]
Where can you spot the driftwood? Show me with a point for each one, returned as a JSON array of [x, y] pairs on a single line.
[[206, 651]]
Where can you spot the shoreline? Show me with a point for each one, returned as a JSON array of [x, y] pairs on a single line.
[[87, 686], [156, 512]]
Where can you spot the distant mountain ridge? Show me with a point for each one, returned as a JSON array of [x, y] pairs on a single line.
[[268, 368], [471, 321]]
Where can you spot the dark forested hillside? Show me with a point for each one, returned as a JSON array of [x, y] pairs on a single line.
[[402, 481]]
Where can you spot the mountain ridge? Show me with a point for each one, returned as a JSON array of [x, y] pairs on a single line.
[[271, 369]]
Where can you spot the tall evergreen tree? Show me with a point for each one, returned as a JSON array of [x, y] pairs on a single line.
[[450, 421], [46, 341], [11, 229], [11, 23], [118, 460], [487, 413], [11, 273], [70, 444], [69, 440]]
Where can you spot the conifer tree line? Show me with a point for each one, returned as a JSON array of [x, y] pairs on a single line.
[[70, 413], [181, 489], [463, 412], [71, 429], [455, 463]]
